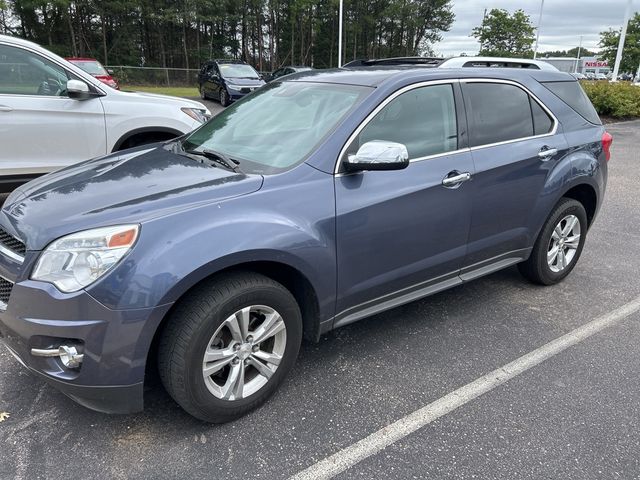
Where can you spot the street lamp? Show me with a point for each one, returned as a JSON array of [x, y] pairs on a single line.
[[623, 34], [535, 49], [340, 35]]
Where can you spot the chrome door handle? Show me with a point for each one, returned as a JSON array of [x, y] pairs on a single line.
[[455, 180], [546, 153], [4, 108]]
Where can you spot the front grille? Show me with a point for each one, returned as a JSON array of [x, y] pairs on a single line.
[[5, 291], [12, 243], [246, 90]]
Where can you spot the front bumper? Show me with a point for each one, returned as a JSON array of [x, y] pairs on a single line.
[[115, 343]]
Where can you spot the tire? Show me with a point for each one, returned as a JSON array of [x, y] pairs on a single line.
[[224, 97], [203, 94], [544, 270], [201, 322]]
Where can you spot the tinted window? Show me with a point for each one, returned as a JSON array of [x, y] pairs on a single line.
[[542, 122], [572, 94], [25, 73], [423, 119], [497, 113]]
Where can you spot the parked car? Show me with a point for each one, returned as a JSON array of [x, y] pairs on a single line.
[[315, 202], [578, 76], [601, 76], [55, 114], [95, 68], [227, 80], [287, 70], [590, 76]]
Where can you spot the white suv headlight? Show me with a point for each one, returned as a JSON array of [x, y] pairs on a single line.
[[198, 114], [77, 260]]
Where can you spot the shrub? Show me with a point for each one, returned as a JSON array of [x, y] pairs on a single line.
[[618, 100]]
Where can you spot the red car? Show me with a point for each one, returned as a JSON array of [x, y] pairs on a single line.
[[95, 68]]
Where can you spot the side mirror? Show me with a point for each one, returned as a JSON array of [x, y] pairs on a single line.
[[78, 90], [378, 155]]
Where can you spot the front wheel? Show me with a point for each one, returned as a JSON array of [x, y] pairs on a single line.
[[559, 244], [224, 97], [203, 94], [228, 345]]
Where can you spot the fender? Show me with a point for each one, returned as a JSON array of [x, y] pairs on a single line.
[[136, 131]]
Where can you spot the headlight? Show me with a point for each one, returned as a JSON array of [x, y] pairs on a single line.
[[74, 262], [198, 114]]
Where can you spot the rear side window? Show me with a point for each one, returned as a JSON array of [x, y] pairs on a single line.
[[573, 95], [542, 122], [497, 113]]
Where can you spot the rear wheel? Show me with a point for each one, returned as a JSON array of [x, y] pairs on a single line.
[[559, 244], [228, 345]]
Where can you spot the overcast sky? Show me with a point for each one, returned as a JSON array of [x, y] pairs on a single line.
[[563, 21]]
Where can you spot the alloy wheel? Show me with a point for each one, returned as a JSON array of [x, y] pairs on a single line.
[[564, 243], [244, 352]]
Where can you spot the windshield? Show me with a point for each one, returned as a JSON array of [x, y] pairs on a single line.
[[94, 68], [237, 70], [277, 126]]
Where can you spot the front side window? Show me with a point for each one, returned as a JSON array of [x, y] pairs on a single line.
[[278, 125], [497, 112], [25, 73], [422, 119]]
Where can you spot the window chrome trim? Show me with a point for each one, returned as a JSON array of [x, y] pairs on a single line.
[[11, 254], [451, 81], [384, 103], [553, 131]]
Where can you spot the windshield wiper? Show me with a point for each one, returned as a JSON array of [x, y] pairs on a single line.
[[218, 158]]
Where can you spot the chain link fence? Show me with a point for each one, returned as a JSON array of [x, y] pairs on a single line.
[[154, 77]]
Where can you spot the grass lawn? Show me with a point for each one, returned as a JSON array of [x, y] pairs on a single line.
[[174, 91]]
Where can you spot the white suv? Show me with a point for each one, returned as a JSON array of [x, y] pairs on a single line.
[[53, 114]]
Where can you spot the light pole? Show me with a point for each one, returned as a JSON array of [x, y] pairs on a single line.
[[535, 49], [340, 35], [623, 34], [575, 70]]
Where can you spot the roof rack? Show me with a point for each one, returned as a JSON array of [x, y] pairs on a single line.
[[398, 61], [456, 62]]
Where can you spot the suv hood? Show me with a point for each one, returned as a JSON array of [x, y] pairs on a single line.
[[128, 187], [165, 99], [244, 82]]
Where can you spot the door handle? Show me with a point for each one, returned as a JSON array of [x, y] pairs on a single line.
[[546, 153], [4, 108], [455, 178]]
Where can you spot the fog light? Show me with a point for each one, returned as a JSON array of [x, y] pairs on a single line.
[[68, 355]]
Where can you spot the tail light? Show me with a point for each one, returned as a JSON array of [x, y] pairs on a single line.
[[607, 140]]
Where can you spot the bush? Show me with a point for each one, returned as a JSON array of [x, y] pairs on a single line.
[[617, 100]]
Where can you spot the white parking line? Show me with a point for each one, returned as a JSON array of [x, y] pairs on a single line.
[[377, 441]]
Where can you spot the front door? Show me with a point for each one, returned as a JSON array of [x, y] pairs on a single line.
[[402, 232]]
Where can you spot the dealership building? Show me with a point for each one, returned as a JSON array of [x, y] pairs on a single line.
[[584, 65]]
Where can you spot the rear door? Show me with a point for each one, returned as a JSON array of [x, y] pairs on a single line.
[[47, 130], [402, 232], [515, 143]]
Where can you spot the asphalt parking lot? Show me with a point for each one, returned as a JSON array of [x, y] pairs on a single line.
[[574, 415]]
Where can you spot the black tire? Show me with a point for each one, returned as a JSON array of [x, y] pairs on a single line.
[[203, 94], [536, 268], [224, 97], [194, 321]]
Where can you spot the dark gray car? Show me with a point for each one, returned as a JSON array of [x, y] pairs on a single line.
[[310, 204]]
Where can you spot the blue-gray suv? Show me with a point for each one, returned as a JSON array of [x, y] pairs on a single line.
[[311, 203]]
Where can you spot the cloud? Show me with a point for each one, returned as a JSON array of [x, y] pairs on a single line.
[[563, 22]]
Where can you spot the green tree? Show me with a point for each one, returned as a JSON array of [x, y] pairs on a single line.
[[631, 50], [505, 35], [572, 53]]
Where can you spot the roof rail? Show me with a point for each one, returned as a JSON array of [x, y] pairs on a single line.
[[496, 62], [456, 62], [426, 61]]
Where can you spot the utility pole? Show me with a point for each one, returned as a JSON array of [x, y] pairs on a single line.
[[484, 17], [340, 35], [575, 70], [535, 49], [623, 34]]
